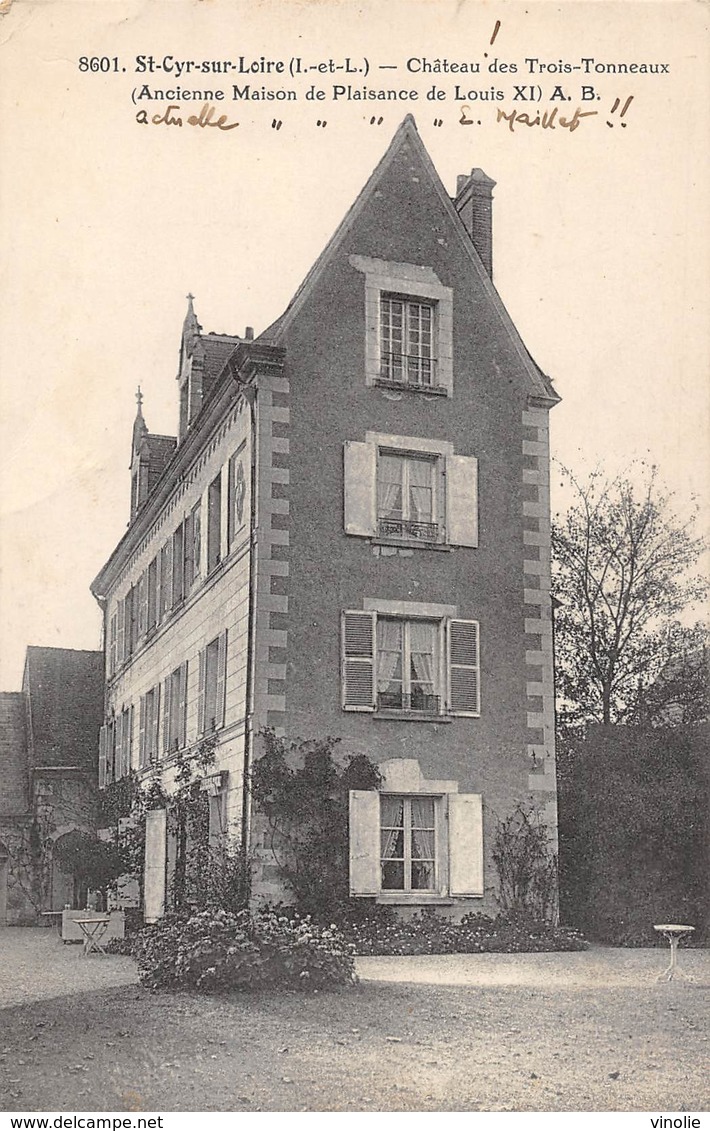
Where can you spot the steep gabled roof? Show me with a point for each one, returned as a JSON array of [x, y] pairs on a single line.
[[407, 133]]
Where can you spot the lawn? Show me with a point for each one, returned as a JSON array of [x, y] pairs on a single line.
[[381, 1046]]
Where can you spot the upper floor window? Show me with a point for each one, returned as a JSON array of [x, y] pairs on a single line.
[[407, 341], [214, 523], [412, 666], [175, 709], [408, 326], [165, 592], [411, 489], [192, 543], [213, 668], [406, 496], [408, 665], [149, 723]]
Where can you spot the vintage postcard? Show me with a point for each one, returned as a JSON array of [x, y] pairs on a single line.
[[317, 317]]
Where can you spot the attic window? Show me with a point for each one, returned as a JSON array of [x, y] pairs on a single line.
[[407, 341], [408, 326]]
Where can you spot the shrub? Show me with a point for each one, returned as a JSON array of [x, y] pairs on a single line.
[[218, 950], [379, 930]]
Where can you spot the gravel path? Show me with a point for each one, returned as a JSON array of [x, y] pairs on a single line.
[[601, 967], [34, 965]]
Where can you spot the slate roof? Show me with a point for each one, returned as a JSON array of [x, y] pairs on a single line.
[[218, 348]]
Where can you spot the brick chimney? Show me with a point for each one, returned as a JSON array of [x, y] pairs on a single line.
[[474, 204]]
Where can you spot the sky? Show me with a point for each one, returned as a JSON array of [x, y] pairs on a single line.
[[600, 232]]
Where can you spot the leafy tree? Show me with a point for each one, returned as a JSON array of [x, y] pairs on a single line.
[[91, 862], [624, 568]]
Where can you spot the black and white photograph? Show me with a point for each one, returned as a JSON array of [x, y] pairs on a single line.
[[354, 498]]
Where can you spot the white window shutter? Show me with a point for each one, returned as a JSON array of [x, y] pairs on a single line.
[[196, 538], [201, 695], [465, 844], [462, 500], [154, 748], [182, 706], [155, 864], [360, 488], [118, 757], [364, 842], [167, 737], [143, 738], [357, 656], [102, 757], [464, 676], [129, 744], [221, 679], [120, 634]]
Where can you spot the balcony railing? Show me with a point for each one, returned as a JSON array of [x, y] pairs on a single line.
[[408, 528], [419, 701], [408, 369]]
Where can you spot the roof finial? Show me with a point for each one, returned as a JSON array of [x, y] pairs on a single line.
[[139, 399]]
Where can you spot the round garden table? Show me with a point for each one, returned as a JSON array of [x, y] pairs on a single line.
[[674, 933]]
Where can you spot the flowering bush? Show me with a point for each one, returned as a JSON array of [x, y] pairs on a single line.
[[380, 930], [218, 950]]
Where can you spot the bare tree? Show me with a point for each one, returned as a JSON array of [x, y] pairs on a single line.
[[624, 568]]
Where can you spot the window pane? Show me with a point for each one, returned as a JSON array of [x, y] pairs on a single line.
[[211, 666], [423, 815], [393, 876], [389, 662], [421, 663], [421, 494], [391, 812], [392, 844], [389, 486], [422, 875]]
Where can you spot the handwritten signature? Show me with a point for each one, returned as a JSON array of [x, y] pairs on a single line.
[[548, 120], [171, 117]]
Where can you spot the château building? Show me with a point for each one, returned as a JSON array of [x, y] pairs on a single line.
[[350, 536]]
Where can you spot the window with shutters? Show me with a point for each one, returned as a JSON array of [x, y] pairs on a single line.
[[123, 744], [418, 847], [110, 751], [142, 608], [214, 523], [165, 593], [178, 590], [411, 490], [409, 667], [112, 643], [152, 595], [175, 709], [149, 726], [192, 548], [211, 705]]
